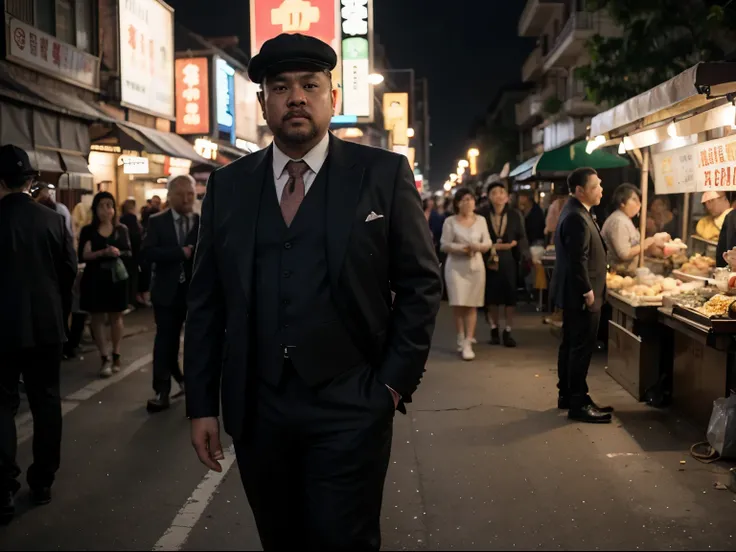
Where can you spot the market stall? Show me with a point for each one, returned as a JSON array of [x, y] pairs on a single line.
[[678, 325]]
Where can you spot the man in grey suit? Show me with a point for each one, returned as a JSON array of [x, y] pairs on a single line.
[[291, 314]]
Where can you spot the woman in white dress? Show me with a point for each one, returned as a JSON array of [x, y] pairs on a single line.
[[465, 238]]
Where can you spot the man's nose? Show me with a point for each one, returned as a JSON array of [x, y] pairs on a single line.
[[297, 97]]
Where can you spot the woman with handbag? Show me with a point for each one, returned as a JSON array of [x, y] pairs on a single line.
[[508, 236], [465, 238], [104, 285]]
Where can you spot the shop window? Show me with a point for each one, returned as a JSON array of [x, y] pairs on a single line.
[[45, 16], [20, 9], [65, 30], [84, 19]]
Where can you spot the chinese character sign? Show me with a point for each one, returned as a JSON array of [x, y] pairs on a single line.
[[355, 16], [147, 55], [270, 18], [710, 166], [43, 52], [192, 96]]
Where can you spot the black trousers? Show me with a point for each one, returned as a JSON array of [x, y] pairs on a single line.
[[313, 462], [579, 333], [40, 367], [169, 323]]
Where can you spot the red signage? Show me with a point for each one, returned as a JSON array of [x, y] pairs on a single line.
[[192, 96], [270, 18]]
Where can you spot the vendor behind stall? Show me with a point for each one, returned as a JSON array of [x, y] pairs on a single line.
[[718, 206], [621, 236], [726, 239]]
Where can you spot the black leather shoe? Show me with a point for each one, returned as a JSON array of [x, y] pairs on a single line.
[[563, 403], [589, 415], [508, 341], [495, 337], [7, 506], [41, 495], [159, 404]]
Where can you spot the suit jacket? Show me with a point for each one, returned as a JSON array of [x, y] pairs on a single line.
[[367, 261], [161, 248], [37, 273], [581, 259]]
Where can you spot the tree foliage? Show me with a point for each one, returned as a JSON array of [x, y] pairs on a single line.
[[661, 38], [498, 145]]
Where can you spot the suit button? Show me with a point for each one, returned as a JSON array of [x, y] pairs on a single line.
[[286, 302], [287, 273], [287, 245]]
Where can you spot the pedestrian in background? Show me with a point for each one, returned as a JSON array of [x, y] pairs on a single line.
[[37, 270], [169, 248], [465, 239], [43, 194], [129, 218], [104, 285], [579, 285], [508, 236]]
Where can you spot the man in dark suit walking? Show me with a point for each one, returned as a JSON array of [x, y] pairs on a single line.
[[169, 246], [38, 270], [291, 313], [579, 284]]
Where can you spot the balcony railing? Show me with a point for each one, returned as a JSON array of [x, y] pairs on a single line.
[[581, 26], [533, 65], [528, 109], [533, 17]]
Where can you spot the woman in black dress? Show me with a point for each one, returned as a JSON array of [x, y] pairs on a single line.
[[506, 227], [104, 285]]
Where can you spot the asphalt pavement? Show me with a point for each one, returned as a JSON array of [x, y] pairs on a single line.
[[483, 461]]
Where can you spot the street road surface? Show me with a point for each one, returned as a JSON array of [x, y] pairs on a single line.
[[483, 461]]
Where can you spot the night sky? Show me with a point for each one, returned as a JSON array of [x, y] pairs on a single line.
[[467, 49]]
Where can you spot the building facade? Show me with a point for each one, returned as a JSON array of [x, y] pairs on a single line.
[[556, 110]]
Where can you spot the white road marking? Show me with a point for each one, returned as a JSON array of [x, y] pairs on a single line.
[[619, 454], [177, 534], [24, 422]]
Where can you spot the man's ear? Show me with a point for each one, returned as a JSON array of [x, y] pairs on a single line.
[[262, 102]]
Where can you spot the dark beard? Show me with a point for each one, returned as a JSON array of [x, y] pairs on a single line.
[[297, 138]]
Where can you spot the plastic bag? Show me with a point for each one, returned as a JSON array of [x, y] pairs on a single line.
[[722, 427]]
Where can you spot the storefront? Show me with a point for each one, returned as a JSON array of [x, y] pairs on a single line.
[[47, 94], [674, 333], [134, 151], [217, 108]]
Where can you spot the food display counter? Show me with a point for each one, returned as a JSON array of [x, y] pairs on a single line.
[[634, 345], [702, 364]]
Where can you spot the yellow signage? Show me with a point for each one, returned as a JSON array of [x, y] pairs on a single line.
[[396, 116]]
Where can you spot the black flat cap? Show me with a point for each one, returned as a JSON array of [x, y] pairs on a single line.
[[14, 162], [291, 52]]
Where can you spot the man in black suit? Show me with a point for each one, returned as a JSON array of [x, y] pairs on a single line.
[[291, 313], [579, 284], [169, 246], [38, 270]]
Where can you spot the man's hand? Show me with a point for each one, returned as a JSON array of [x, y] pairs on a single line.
[[589, 298], [188, 251], [206, 441], [112, 251]]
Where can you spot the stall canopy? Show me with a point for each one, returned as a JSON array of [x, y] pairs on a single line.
[[688, 91], [137, 137], [561, 161]]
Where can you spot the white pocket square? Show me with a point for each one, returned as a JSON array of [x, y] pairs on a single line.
[[373, 216]]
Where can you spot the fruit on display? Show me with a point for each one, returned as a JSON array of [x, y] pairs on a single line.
[[698, 265], [674, 247]]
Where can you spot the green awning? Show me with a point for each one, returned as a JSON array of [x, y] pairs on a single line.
[[560, 161]]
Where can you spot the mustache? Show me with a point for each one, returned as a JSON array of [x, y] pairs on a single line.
[[297, 113]]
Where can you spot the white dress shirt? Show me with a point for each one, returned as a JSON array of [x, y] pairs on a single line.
[[314, 159]]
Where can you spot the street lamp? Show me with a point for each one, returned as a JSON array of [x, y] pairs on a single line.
[[453, 177], [448, 186], [463, 163], [473, 154], [410, 132], [376, 78], [461, 171]]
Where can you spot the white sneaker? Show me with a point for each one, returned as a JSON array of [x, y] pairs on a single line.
[[460, 342], [467, 352], [106, 371]]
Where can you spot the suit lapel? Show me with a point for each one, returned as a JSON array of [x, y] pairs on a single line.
[[344, 186], [170, 227], [246, 199]]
